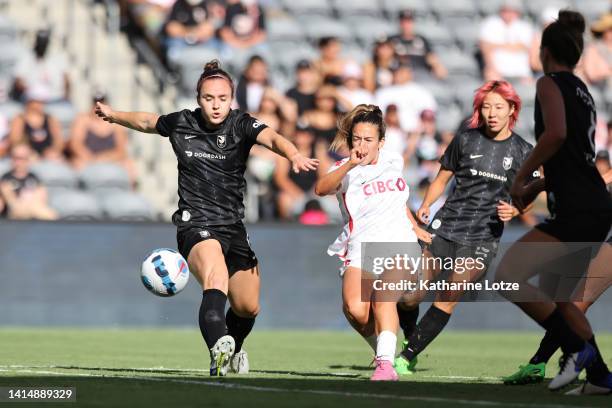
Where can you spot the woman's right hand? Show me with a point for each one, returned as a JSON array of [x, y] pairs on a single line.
[[104, 111], [358, 156], [423, 214]]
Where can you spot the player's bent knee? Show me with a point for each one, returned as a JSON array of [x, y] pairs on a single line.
[[247, 311], [357, 311]]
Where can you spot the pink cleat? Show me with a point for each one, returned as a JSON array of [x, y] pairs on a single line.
[[384, 371]]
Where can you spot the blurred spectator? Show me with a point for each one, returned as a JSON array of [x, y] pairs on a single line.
[[409, 97], [313, 214], [597, 63], [548, 15], [505, 40], [244, 26], [151, 14], [307, 83], [323, 118], [44, 72], [330, 65], [396, 140], [189, 24], [252, 83], [379, 72], [93, 140], [295, 189], [4, 139], [414, 50], [277, 111], [22, 196], [424, 144], [36, 128], [352, 85]]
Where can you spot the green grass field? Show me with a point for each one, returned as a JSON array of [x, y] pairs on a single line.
[[156, 368]]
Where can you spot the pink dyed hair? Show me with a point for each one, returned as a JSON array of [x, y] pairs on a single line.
[[506, 91]]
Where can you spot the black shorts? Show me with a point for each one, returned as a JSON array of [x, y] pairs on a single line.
[[234, 242], [443, 248], [583, 227]]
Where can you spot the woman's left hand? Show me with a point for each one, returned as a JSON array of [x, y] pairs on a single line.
[[301, 163], [506, 211]]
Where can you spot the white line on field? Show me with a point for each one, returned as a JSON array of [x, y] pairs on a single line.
[[200, 370], [451, 401]]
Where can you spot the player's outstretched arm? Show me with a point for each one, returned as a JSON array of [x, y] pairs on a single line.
[[280, 145], [434, 191], [140, 121]]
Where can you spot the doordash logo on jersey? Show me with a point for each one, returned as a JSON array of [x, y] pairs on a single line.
[[379, 186]]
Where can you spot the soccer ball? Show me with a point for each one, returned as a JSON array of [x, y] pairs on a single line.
[[164, 272]]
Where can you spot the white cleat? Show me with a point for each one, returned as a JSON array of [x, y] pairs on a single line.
[[239, 363], [220, 356], [589, 389], [570, 366]]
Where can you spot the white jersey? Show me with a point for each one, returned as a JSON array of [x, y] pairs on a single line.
[[372, 200]]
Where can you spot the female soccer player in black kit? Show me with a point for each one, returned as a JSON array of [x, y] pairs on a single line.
[[212, 145], [484, 159], [579, 204]]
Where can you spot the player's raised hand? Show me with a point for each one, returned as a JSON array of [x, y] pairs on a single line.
[[359, 155], [301, 163], [423, 214], [104, 111], [505, 211]]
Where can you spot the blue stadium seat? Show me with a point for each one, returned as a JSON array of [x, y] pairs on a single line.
[[75, 205], [370, 8], [467, 36], [464, 92], [55, 174], [435, 33], [440, 91], [593, 9], [284, 29], [127, 206], [310, 7], [456, 8], [376, 28], [326, 27], [105, 175], [286, 56], [488, 7], [419, 7], [447, 120], [64, 112], [459, 64]]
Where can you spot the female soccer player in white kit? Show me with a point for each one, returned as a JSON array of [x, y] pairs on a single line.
[[372, 195]]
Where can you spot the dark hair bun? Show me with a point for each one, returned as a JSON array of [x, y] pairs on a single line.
[[211, 65], [573, 21]]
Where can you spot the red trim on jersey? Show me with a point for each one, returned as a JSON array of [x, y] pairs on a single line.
[[350, 224]]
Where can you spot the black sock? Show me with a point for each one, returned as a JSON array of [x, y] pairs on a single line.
[[212, 316], [548, 346], [598, 369], [238, 327], [429, 327], [569, 341], [407, 319]]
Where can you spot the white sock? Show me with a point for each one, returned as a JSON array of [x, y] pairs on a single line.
[[385, 346], [371, 340]]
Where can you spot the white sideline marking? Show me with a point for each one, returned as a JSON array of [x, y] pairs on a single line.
[[28, 370]]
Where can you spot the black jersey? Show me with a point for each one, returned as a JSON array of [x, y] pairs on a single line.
[[484, 170], [211, 165], [573, 184]]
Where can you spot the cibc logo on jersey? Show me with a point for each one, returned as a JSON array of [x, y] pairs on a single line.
[[379, 186]]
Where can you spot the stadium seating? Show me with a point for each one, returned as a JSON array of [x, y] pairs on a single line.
[[310, 7], [376, 28], [5, 166], [592, 9], [104, 175], [459, 64], [126, 206], [55, 174], [445, 9], [284, 30], [488, 7], [369, 8], [326, 27], [75, 205], [419, 7]]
